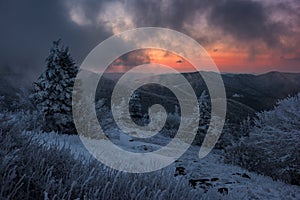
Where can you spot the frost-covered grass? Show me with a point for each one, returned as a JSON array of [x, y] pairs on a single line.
[[30, 170], [37, 165], [229, 176]]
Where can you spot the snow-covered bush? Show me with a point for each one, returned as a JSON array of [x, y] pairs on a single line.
[[20, 112], [273, 145], [232, 133], [25, 113], [53, 90], [87, 121]]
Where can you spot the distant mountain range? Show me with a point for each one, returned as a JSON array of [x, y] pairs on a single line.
[[246, 93], [259, 92]]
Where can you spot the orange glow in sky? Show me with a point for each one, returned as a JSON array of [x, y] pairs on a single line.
[[227, 60]]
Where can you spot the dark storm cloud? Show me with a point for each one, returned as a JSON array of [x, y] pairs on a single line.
[[28, 29], [171, 14], [246, 21]]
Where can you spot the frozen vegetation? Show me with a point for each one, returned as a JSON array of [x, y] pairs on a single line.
[[271, 145], [41, 157], [42, 165]]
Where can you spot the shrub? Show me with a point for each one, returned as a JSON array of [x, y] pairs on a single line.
[[272, 146]]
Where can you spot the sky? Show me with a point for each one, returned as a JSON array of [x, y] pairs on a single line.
[[241, 36]]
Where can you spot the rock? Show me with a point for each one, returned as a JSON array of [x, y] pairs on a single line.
[[246, 176], [180, 171], [193, 183], [223, 190], [203, 183], [214, 179]]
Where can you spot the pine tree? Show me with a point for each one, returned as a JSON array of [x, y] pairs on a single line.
[[204, 108], [53, 90], [135, 106], [203, 101]]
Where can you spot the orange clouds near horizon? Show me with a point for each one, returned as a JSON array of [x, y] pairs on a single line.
[[146, 56], [227, 61]]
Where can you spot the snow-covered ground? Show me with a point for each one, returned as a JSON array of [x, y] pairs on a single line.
[[207, 174]]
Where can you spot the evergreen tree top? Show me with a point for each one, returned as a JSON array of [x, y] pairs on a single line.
[[53, 89], [60, 56]]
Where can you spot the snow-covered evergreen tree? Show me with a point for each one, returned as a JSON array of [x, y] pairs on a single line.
[[203, 101], [53, 90], [135, 106], [204, 106]]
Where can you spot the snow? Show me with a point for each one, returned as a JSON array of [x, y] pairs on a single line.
[[209, 173], [237, 95]]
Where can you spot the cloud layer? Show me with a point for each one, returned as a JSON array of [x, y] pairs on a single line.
[[252, 28]]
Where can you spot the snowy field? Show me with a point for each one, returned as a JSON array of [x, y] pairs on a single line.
[[209, 175]]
